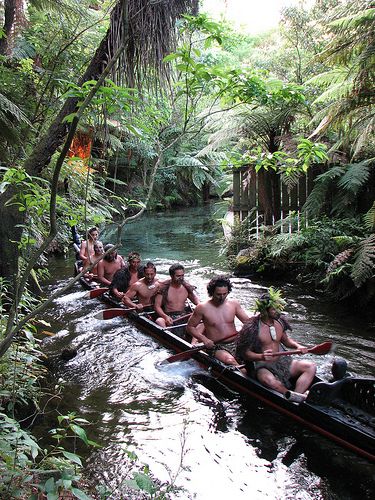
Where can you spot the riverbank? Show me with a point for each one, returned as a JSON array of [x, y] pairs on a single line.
[[328, 257]]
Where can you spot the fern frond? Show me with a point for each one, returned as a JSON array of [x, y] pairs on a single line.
[[8, 107], [366, 16], [115, 143], [336, 91], [369, 218], [356, 175], [334, 76], [317, 198], [282, 244], [189, 161], [291, 179], [364, 261]]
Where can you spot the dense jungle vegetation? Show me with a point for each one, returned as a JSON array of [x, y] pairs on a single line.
[[108, 108]]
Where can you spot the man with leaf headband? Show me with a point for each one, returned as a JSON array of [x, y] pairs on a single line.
[[263, 335]]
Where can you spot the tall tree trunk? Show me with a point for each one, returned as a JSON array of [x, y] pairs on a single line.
[[9, 16]]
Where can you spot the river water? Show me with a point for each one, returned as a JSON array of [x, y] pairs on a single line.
[[190, 430]]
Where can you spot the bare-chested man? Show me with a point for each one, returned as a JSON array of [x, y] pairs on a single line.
[[123, 278], [171, 299], [87, 251], [107, 267], [261, 337], [218, 314], [144, 289]]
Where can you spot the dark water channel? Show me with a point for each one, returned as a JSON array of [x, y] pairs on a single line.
[[229, 446]]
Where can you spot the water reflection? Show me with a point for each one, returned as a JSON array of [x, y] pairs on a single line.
[[191, 430]]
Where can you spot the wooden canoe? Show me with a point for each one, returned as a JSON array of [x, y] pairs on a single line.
[[343, 411]]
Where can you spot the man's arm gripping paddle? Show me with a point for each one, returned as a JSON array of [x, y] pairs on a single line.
[[323, 348], [185, 355]]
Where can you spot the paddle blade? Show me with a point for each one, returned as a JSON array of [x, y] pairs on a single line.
[[182, 356], [324, 348], [96, 292], [111, 313]]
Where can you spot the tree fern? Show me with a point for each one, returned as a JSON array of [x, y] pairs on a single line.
[[364, 261]]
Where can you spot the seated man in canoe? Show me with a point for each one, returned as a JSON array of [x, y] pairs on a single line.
[[110, 263], [144, 289], [170, 303], [86, 251], [126, 276], [98, 252], [90, 252], [261, 338], [218, 314]]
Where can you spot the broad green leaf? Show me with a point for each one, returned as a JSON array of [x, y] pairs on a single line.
[[72, 457]]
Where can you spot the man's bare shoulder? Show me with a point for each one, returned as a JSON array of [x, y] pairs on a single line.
[[200, 308]]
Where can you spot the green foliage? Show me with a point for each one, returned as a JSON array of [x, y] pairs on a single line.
[[364, 261], [338, 190], [369, 218], [27, 464]]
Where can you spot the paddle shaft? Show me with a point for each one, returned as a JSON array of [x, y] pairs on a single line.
[[183, 356], [182, 317], [116, 312], [317, 349]]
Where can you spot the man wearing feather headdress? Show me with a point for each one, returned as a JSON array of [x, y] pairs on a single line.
[[263, 335]]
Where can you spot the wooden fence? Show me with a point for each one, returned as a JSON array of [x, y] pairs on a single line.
[[287, 201]]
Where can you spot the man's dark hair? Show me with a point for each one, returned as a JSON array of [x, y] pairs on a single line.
[[108, 257], [150, 265], [174, 268], [216, 282], [133, 256], [92, 230]]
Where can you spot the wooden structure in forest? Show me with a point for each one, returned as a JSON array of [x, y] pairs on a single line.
[[250, 197]]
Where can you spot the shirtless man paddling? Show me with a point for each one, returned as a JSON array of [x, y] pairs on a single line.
[[107, 267], [171, 300], [262, 336], [218, 314], [144, 289]]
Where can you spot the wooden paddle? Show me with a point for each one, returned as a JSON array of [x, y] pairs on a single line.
[[175, 326], [96, 292], [182, 317], [323, 348], [184, 355], [116, 312]]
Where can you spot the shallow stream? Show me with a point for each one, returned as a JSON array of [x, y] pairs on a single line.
[[189, 429]]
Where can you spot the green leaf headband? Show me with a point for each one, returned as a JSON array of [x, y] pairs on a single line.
[[271, 299]]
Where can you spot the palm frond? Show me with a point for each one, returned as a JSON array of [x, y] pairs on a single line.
[[364, 261]]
